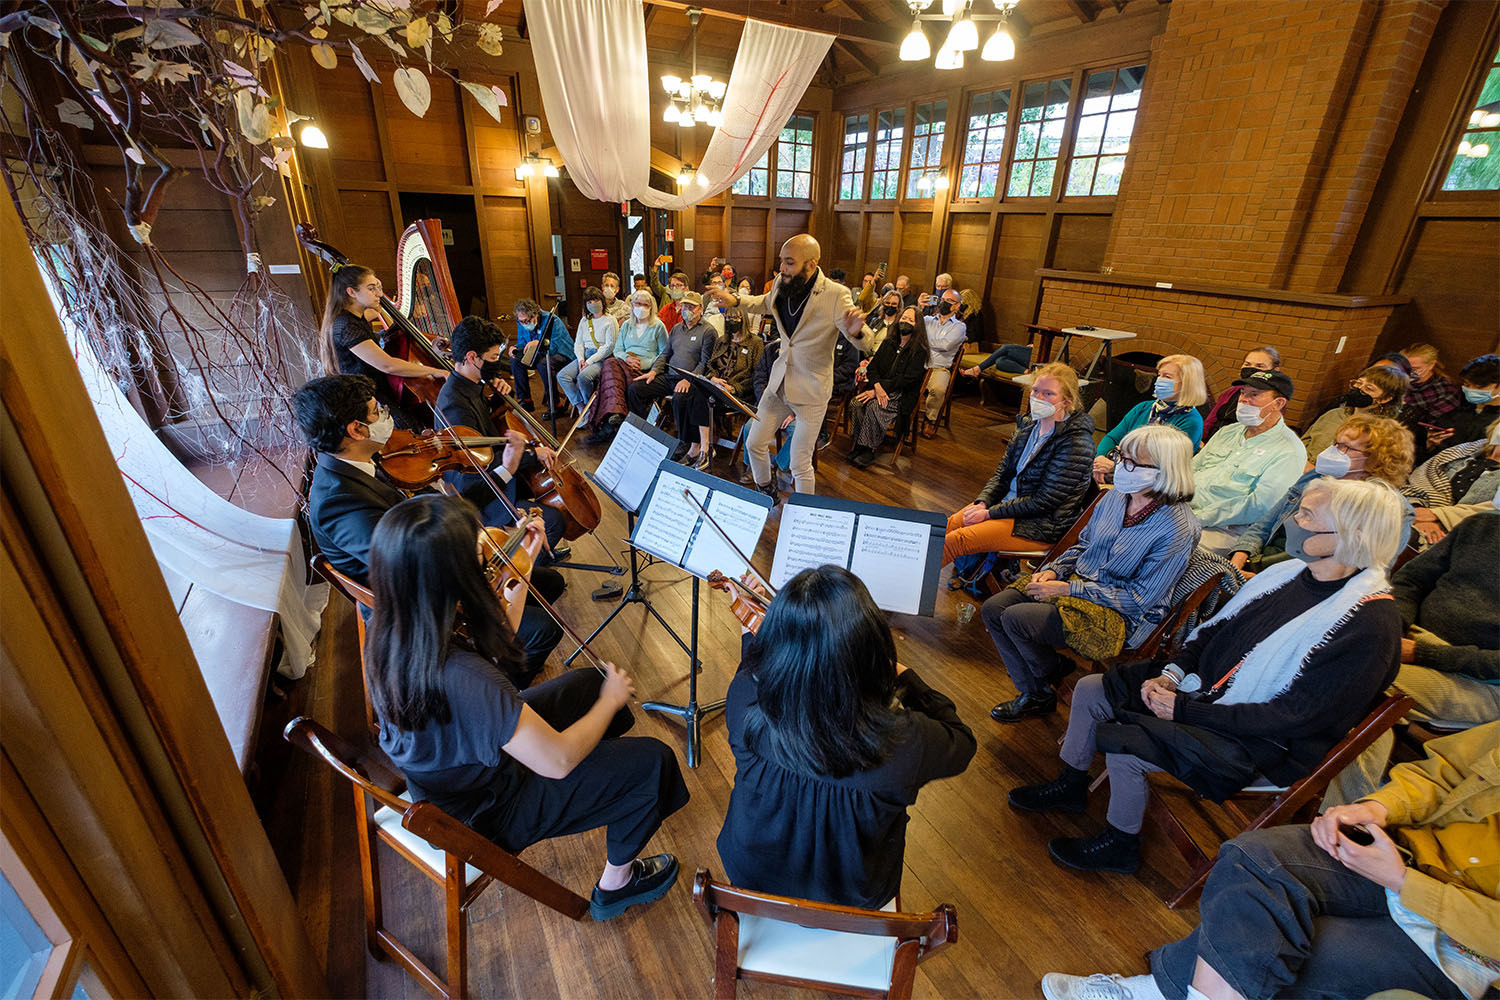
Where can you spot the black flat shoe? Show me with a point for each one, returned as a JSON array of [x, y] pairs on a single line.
[[1068, 792], [1110, 850], [650, 878], [1028, 704]]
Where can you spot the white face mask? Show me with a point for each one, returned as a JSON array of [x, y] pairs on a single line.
[[610, 293], [596, 308], [1332, 462], [1041, 409], [380, 430], [641, 312], [1249, 415], [1134, 480]]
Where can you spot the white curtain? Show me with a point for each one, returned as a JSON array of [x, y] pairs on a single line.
[[596, 90]]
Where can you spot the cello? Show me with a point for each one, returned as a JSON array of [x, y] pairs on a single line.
[[558, 485]]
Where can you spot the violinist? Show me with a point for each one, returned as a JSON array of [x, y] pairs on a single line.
[[832, 739], [516, 767], [477, 345], [347, 341], [340, 419]]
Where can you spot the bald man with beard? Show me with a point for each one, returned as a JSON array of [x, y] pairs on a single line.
[[810, 310]]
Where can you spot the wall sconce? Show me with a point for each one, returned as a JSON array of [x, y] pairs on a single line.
[[312, 137], [687, 175], [531, 164], [929, 183]]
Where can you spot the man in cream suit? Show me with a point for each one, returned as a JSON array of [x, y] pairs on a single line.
[[810, 310]]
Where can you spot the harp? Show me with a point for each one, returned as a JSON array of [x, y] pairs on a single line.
[[424, 285]]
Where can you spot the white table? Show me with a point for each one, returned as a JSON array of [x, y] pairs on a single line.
[[1106, 340]]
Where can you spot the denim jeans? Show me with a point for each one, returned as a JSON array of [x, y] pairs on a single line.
[[578, 385], [1280, 917]]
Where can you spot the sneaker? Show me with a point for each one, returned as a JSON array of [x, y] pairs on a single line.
[[770, 490], [1068, 792], [824, 440], [1056, 986], [650, 878], [1109, 850], [1028, 704]]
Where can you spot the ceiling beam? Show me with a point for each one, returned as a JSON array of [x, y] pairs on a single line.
[[794, 16], [650, 16], [853, 52], [1086, 11], [1020, 28]]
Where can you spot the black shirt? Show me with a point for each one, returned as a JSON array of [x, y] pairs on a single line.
[[461, 402], [789, 307], [349, 331], [836, 840]]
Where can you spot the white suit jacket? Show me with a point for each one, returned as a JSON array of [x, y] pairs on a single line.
[[804, 368]]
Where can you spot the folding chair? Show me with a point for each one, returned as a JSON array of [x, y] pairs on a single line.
[[1294, 803], [445, 850], [945, 412], [908, 434], [800, 943], [363, 600]]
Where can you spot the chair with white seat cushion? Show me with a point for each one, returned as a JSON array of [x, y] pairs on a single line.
[[797, 942]]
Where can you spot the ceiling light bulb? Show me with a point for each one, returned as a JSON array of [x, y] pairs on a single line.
[[1476, 117], [313, 138], [716, 89], [951, 7], [701, 81], [671, 82], [684, 90], [924, 183], [548, 170], [524, 170], [948, 59], [916, 47], [963, 36], [670, 114], [715, 118], [1463, 148], [1480, 151], [685, 177], [700, 113], [686, 121], [941, 183], [1000, 48]]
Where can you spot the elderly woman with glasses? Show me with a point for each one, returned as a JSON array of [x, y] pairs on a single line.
[[1378, 391], [1363, 447], [1264, 688], [1114, 585]]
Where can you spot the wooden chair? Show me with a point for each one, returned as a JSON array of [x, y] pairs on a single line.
[[1295, 803], [442, 848], [363, 600], [800, 943], [908, 435], [945, 412]]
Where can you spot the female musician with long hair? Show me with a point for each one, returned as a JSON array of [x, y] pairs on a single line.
[[347, 343], [516, 767], [832, 739]]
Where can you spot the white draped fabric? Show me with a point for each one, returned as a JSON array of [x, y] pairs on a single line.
[[596, 90]]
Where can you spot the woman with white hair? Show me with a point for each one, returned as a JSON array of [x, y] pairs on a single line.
[[641, 340], [1111, 588], [1179, 390], [1265, 688]]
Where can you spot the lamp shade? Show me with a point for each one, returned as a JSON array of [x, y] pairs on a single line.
[[915, 47], [941, 183], [948, 59], [670, 113], [1000, 47], [313, 138], [671, 83], [548, 170], [963, 36]]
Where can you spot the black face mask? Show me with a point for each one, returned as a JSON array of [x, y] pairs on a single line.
[[891, 310], [945, 307], [491, 370], [905, 330], [1247, 372], [1356, 398], [732, 326]]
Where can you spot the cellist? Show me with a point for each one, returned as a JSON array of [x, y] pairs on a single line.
[[343, 423], [476, 346]]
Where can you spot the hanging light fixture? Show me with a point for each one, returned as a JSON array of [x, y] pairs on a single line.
[[915, 47], [697, 100], [962, 34], [948, 59], [312, 137], [1001, 47]]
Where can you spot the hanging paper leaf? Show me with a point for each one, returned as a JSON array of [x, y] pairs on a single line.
[[489, 8], [318, 32], [372, 21], [293, 118], [255, 118], [263, 47], [490, 37], [282, 155], [82, 69], [445, 26], [149, 69], [485, 96], [142, 233], [324, 56], [134, 153], [283, 141], [244, 78], [133, 32], [500, 97], [73, 113], [363, 63], [261, 202], [48, 25], [165, 33], [413, 89], [96, 44], [345, 15], [393, 45], [418, 32]]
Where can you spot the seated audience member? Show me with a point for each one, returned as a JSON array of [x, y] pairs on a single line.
[[1038, 489], [883, 318], [731, 366], [616, 306], [971, 312], [1363, 447], [689, 346], [1477, 410], [832, 740], [1455, 483], [341, 422], [1176, 396], [1113, 586], [1265, 687], [553, 341], [906, 289], [839, 275], [1297, 911], [1432, 395], [669, 295], [639, 344], [517, 768], [593, 342], [1222, 415], [638, 284], [1378, 391], [1245, 470], [890, 387], [1010, 358], [946, 334]]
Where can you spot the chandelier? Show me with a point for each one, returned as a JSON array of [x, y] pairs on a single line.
[[963, 33], [697, 100]]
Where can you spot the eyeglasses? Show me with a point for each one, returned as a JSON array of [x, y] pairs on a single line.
[[1349, 449], [1130, 465], [381, 412]]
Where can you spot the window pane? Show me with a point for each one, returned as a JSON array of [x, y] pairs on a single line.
[[1081, 176], [1052, 139], [1031, 102], [802, 186], [1057, 98], [1020, 179], [989, 179], [1027, 138], [1096, 96], [1117, 133], [1476, 167], [1107, 180], [1041, 180], [1090, 131], [1128, 88], [968, 182], [23, 946]]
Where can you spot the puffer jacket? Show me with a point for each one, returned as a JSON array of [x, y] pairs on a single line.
[[1051, 489]]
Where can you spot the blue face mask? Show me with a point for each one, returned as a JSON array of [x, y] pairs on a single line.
[[1478, 395], [1164, 388]]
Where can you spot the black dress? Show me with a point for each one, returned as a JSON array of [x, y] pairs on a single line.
[[835, 840], [349, 331]]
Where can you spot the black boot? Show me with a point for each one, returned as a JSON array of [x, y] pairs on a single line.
[[1110, 850], [1068, 792]]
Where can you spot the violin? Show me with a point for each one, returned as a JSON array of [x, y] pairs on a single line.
[[505, 556], [559, 485], [748, 605], [411, 461]]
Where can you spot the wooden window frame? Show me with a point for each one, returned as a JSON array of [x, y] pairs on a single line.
[[899, 170], [1459, 127], [862, 171], [1007, 147], [1076, 117], [1014, 130]]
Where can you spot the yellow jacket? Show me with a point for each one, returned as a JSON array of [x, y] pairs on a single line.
[[1445, 810]]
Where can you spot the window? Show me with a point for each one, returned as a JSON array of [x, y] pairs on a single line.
[[1044, 108], [890, 130], [852, 167], [756, 180], [794, 158], [1104, 127], [1476, 162], [926, 145], [984, 142]]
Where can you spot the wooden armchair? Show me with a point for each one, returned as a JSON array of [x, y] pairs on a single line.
[[1295, 803], [908, 435], [445, 850], [945, 412], [363, 601], [800, 943]]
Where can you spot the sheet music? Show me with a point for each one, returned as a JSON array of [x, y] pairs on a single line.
[[741, 520], [630, 465], [890, 557], [666, 524], [810, 537]]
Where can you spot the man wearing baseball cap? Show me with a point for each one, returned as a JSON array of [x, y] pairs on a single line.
[[1246, 468]]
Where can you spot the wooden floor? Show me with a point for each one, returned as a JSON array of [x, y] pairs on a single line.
[[1020, 916]]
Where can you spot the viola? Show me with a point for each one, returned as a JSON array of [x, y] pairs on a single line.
[[412, 461], [505, 556], [748, 606], [558, 485]]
